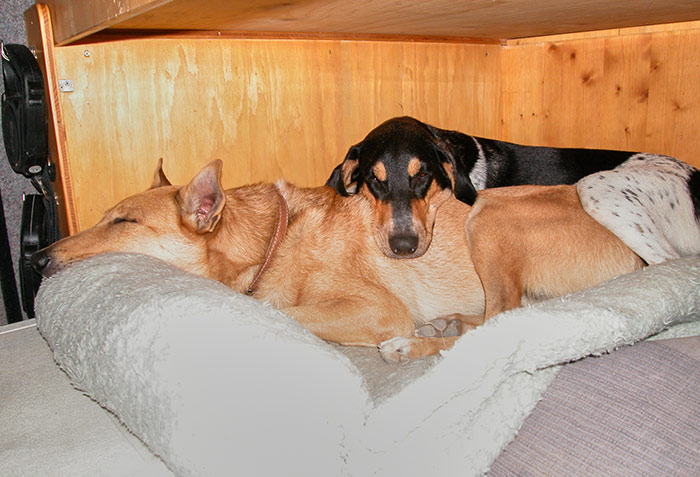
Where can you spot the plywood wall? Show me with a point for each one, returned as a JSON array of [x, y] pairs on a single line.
[[274, 108], [634, 91], [268, 108]]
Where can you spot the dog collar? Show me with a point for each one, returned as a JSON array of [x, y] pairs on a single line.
[[278, 234]]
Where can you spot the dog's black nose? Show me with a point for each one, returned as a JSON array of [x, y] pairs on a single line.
[[40, 260], [403, 244]]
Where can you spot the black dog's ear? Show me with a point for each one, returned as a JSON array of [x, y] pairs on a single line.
[[464, 190], [458, 153], [336, 180], [461, 185], [344, 177]]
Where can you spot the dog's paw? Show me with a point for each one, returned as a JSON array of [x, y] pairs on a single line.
[[440, 328], [396, 350]]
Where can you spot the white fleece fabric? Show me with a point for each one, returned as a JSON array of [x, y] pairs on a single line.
[[217, 383]]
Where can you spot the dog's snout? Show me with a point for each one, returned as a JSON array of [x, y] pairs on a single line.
[[403, 244], [40, 261]]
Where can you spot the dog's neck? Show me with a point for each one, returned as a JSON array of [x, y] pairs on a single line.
[[277, 236], [238, 248]]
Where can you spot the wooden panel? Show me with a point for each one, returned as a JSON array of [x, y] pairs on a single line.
[[674, 96], [486, 19], [73, 19], [270, 109], [39, 35], [632, 92]]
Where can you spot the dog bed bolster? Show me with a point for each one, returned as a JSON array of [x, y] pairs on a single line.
[[215, 382]]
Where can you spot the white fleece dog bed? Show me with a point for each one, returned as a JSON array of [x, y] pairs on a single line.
[[217, 383]]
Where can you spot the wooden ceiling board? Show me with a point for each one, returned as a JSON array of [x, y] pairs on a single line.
[[481, 19]]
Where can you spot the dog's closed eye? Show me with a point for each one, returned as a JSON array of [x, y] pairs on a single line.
[[120, 220], [372, 179], [377, 185], [420, 180]]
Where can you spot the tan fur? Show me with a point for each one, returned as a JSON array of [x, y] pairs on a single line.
[[537, 241], [348, 168], [379, 171], [424, 214], [328, 272], [414, 166]]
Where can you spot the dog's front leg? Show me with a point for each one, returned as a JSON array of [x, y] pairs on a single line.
[[354, 321], [401, 349], [454, 324]]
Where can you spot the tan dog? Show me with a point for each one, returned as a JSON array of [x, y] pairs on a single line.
[[327, 272]]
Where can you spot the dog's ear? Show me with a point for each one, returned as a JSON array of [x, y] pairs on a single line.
[[458, 154], [202, 200], [345, 175], [461, 184], [159, 179], [464, 190]]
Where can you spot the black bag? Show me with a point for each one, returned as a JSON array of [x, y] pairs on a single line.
[[25, 134], [24, 123]]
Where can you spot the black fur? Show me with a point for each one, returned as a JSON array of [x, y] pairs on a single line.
[[513, 164], [395, 143], [694, 189], [397, 140]]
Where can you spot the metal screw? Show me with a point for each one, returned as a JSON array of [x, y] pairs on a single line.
[[86, 53]]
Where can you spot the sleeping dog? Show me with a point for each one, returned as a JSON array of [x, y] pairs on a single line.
[[312, 254], [651, 202]]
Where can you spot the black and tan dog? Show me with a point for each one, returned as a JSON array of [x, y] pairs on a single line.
[[651, 202], [312, 253]]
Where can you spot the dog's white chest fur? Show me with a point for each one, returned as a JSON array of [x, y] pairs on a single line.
[[430, 294]]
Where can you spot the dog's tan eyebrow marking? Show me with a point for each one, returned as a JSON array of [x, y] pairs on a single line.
[[414, 166], [379, 171]]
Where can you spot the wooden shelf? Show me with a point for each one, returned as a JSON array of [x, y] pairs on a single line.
[[471, 20]]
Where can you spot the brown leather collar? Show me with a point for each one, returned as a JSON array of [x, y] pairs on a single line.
[[277, 235]]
